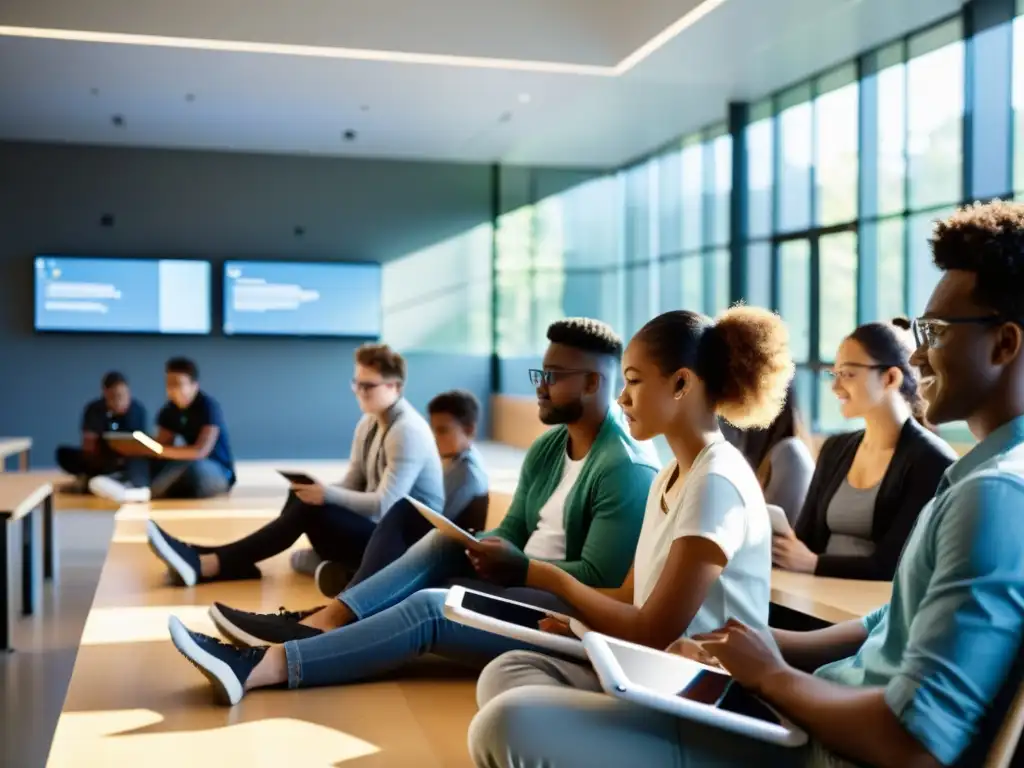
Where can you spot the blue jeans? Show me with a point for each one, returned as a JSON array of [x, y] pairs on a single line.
[[400, 616], [185, 479]]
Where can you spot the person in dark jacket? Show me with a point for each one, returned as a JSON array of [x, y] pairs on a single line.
[[870, 485]]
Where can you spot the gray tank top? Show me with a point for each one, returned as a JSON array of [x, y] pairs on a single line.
[[849, 518]]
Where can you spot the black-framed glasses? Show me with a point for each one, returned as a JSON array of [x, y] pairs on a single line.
[[548, 377], [848, 371], [928, 331]]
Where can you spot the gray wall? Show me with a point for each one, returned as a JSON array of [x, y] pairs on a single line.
[[284, 398]]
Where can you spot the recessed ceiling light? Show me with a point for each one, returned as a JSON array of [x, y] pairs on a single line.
[[524, 98]]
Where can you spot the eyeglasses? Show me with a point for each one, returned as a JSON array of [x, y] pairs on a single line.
[[928, 331], [549, 377], [849, 371], [366, 387]]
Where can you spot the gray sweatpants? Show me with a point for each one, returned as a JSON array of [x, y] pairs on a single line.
[[540, 712]]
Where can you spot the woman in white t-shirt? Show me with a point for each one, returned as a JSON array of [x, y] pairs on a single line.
[[704, 553]]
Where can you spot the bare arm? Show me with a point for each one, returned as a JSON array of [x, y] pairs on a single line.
[[165, 437], [810, 650], [623, 594], [840, 715], [692, 566], [200, 450]]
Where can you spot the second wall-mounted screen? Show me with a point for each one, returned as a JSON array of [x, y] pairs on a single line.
[[287, 298]]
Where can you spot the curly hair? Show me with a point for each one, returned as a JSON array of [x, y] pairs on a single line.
[[587, 335], [988, 240], [743, 359]]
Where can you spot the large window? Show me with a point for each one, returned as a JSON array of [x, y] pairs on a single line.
[[836, 136], [845, 175], [935, 108]]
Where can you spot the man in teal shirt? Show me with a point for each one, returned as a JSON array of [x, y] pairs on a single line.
[[923, 681]]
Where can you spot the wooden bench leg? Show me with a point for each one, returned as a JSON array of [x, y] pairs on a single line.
[[23, 461], [31, 563], [49, 540], [5, 588]]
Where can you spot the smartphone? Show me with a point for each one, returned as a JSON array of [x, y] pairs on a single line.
[[297, 478]]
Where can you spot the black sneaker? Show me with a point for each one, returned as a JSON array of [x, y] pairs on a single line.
[[256, 629], [332, 578], [182, 559], [226, 667]]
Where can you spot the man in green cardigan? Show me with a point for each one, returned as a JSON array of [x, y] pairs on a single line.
[[579, 503]]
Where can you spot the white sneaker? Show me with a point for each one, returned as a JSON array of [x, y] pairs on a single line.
[[305, 561], [107, 487]]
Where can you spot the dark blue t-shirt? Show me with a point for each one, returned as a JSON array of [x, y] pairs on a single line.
[[98, 419], [188, 423]]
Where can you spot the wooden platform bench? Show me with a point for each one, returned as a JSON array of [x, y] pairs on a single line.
[[27, 502]]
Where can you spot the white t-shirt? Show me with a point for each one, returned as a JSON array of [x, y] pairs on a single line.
[[547, 542], [719, 500]]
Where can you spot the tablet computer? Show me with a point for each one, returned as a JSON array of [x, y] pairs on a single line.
[[686, 689], [780, 523], [445, 526], [512, 619], [297, 478], [135, 443]]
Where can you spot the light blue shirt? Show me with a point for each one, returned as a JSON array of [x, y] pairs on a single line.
[[946, 642]]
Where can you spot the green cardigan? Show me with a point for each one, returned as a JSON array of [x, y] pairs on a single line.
[[603, 512]]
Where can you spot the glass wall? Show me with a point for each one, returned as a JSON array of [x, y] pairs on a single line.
[[842, 179]]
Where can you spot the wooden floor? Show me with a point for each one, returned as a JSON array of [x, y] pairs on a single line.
[[133, 700]]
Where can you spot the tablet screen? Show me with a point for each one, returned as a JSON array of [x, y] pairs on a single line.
[[717, 690], [520, 615], [741, 702]]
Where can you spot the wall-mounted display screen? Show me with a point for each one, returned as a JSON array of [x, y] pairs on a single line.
[[287, 298], [122, 295]]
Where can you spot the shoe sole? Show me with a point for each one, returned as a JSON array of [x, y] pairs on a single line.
[[328, 587], [232, 632], [107, 490], [225, 685], [163, 550]]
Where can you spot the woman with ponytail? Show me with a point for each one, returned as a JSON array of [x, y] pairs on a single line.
[[703, 556], [870, 485]]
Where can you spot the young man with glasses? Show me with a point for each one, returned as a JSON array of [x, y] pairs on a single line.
[[927, 679], [393, 456], [579, 504]]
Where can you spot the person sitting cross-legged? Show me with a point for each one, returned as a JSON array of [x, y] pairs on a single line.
[[579, 505]]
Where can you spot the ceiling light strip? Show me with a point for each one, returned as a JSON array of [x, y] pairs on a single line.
[[668, 34], [309, 51], [366, 54]]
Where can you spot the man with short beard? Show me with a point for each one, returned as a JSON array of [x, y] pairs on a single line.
[[579, 504]]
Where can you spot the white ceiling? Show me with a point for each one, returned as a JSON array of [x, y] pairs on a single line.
[[430, 79]]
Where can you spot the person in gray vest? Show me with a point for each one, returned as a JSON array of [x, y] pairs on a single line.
[[393, 456]]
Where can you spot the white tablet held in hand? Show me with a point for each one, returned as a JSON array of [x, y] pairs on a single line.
[[135, 443], [780, 523], [687, 689], [445, 526], [509, 618]]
